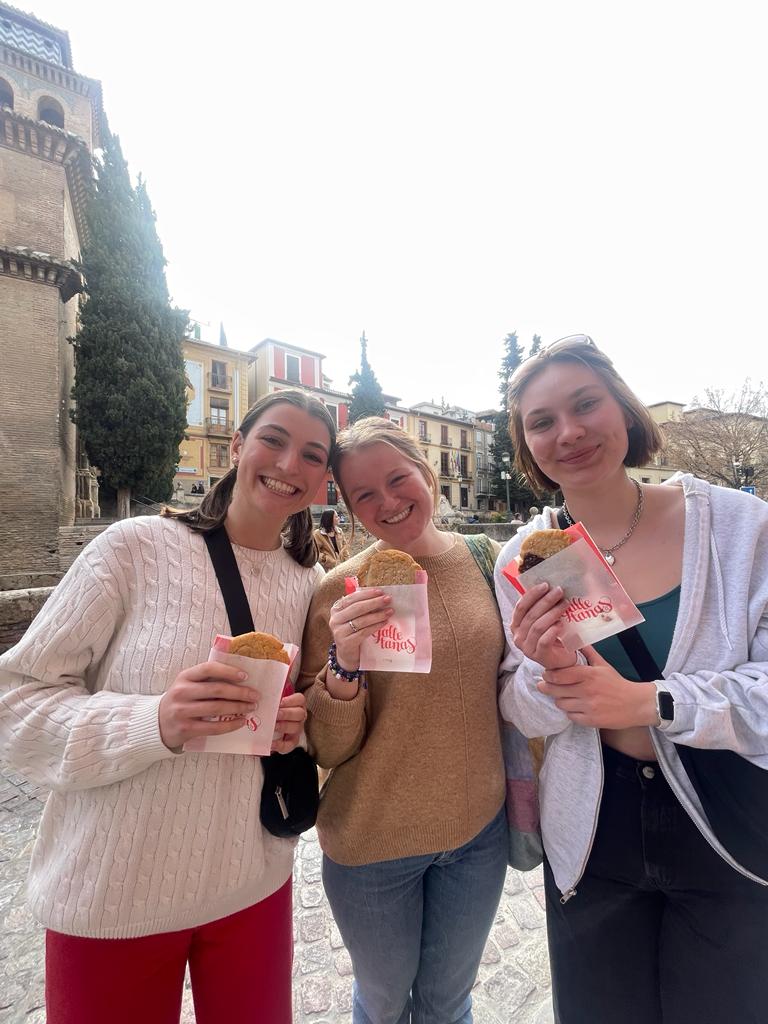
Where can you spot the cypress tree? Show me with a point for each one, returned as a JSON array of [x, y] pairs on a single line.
[[130, 406], [502, 443], [367, 396]]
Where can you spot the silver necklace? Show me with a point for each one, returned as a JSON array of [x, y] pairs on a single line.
[[608, 552]]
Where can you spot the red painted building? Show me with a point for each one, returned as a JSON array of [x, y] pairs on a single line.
[[277, 366]]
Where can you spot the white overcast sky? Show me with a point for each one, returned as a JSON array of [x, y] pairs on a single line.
[[440, 173]]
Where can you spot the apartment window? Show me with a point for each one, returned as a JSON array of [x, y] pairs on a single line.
[[464, 443], [464, 469], [444, 466], [331, 498], [465, 497], [333, 410], [479, 435], [444, 435], [646, 479], [293, 369], [423, 429], [220, 456], [218, 374], [219, 412], [445, 490]]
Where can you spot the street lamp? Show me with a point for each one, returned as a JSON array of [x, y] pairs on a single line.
[[506, 476]]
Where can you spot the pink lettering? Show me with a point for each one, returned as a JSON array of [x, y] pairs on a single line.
[[580, 608], [389, 638]]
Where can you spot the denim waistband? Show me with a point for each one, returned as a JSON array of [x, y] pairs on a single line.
[[621, 766]]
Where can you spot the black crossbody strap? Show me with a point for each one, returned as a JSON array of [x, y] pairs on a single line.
[[230, 583], [634, 646]]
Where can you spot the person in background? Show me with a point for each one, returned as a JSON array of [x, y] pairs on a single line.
[[332, 546], [649, 917], [149, 858]]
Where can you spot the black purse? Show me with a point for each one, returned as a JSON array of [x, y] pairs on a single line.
[[289, 796], [733, 791]]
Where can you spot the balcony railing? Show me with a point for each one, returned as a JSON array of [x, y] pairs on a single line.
[[465, 446], [425, 438], [223, 428], [219, 382], [446, 442]]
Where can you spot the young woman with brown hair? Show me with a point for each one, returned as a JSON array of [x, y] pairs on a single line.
[[149, 858], [651, 915]]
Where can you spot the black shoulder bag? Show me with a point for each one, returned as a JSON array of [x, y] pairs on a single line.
[[733, 791], [289, 796]]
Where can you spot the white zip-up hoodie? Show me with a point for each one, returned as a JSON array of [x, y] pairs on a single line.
[[717, 671]]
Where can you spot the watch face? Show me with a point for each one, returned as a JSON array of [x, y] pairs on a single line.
[[666, 706]]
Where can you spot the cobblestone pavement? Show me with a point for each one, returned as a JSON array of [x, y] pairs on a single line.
[[512, 986]]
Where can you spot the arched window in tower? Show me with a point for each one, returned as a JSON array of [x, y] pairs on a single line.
[[6, 94], [50, 111]]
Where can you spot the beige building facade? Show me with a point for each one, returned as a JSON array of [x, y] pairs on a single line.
[[217, 400], [50, 121]]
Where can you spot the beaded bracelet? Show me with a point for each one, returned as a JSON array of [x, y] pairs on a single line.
[[341, 673]]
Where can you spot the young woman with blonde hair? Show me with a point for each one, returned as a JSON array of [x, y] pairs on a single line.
[[147, 857], [411, 822], [652, 915]]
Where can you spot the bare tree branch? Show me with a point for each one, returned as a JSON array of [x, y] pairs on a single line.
[[724, 439]]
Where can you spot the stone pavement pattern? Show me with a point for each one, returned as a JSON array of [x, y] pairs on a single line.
[[513, 985]]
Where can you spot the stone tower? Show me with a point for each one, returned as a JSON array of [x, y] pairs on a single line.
[[50, 122]]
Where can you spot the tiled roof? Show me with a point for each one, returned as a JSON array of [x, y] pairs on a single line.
[[35, 37]]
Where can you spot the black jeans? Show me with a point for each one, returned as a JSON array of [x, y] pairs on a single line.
[[661, 930]]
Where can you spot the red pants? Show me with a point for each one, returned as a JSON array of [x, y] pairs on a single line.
[[240, 968]]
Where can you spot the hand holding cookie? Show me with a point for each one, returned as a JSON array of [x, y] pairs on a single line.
[[199, 694], [353, 618]]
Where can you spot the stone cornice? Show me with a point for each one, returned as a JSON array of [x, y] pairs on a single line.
[[40, 268], [46, 142], [62, 78]]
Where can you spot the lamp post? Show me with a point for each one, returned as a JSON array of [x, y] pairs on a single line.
[[505, 475]]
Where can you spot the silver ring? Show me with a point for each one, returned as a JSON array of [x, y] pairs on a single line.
[[352, 625]]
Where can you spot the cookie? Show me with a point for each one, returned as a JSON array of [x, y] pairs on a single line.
[[262, 646], [540, 545], [388, 569]]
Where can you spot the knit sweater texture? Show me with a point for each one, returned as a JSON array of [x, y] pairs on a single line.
[[135, 839], [416, 758]]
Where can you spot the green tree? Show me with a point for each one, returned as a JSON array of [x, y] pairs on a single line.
[[367, 396], [130, 406], [519, 492]]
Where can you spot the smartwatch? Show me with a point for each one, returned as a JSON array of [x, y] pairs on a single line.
[[665, 706]]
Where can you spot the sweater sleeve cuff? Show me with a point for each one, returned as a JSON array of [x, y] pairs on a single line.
[[144, 732], [330, 711]]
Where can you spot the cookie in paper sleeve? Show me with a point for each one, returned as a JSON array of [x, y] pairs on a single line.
[[262, 646], [389, 568], [540, 545]]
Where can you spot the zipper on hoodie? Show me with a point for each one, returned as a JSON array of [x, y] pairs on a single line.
[[570, 893]]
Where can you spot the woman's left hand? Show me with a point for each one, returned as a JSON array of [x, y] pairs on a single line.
[[596, 695], [291, 716]]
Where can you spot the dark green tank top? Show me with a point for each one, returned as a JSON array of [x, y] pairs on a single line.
[[657, 631]]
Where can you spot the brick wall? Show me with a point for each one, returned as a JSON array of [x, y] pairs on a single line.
[[33, 500]]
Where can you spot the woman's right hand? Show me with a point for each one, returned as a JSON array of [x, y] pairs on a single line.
[[353, 618], [536, 627], [202, 692]]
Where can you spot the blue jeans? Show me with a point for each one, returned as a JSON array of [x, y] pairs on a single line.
[[416, 927]]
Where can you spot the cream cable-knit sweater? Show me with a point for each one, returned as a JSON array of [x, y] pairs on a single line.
[[135, 839]]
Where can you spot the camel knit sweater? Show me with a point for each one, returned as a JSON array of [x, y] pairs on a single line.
[[136, 839], [416, 758]]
